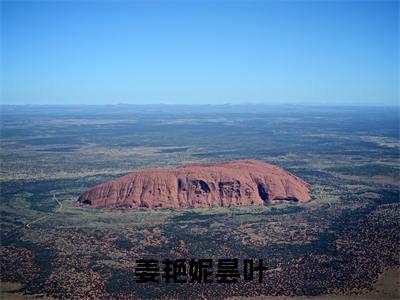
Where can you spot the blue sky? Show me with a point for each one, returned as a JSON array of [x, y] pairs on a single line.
[[271, 52]]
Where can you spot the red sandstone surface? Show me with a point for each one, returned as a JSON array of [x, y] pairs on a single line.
[[234, 183]]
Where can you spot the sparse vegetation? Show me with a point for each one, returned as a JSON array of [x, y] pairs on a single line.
[[338, 243]]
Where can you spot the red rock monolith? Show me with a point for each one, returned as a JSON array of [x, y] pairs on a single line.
[[234, 183]]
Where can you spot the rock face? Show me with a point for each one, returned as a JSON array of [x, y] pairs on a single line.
[[234, 183]]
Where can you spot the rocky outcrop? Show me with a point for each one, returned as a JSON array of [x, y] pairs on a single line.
[[234, 183]]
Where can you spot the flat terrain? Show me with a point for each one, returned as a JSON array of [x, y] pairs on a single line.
[[338, 244]]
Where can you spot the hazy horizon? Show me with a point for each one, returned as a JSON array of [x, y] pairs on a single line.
[[233, 104], [216, 106]]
